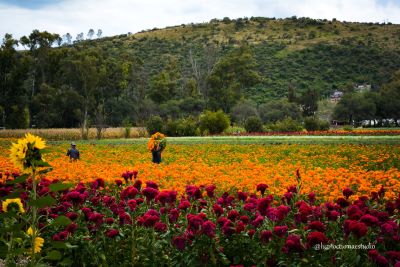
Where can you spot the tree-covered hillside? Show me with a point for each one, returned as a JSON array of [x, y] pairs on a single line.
[[183, 70]]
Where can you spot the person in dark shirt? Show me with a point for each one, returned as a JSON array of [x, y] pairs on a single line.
[[73, 153], [156, 153]]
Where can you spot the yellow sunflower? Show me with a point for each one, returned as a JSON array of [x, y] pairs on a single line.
[[38, 142], [6, 203], [38, 243]]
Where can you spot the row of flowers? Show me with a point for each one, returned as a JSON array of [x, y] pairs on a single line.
[[353, 132], [203, 227]]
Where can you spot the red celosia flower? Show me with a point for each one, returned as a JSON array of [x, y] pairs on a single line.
[[71, 227], [97, 218], [208, 229], [193, 192], [184, 205], [292, 189], [173, 215], [72, 215], [354, 212], [262, 187], [160, 227], [245, 219], [112, 233], [227, 228], [242, 195], [347, 192], [124, 218], [342, 202], [137, 184], [280, 230], [233, 215], [150, 193], [109, 221], [151, 184], [292, 244], [132, 204], [240, 226], [314, 238], [316, 225], [118, 182], [265, 236], [210, 190], [251, 233], [390, 228], [179, 242], [221, 221], [311, 197], [194, 222], [369, 220], [263, 204], [166, 196], [257, 221]]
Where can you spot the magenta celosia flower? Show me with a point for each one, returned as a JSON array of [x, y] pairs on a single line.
[[193, 192], [112, 233], [227, 228], [118, 182], [251, 233], [97, 218], [263, 204], [210, 190], [166, 196], [245, 219], [124, 218], [354, 212], [390, 228]]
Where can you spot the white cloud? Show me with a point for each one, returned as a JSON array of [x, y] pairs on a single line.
[[122, 16]]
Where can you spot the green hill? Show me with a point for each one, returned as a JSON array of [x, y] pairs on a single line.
[[131, 76]]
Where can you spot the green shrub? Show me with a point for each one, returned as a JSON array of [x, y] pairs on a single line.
[[315, 124], [234, 130], [253, 125], [187, 127], [287, 125], [171, 128], [154, 124], [213, 122], [348, 128]]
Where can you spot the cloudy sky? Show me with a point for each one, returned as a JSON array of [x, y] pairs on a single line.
[[20, 17]]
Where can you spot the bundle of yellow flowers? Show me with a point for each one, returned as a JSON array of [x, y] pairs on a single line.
[[157, 141], [25, 154]]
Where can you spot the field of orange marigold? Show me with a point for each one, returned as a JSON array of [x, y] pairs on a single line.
[[323, 169]]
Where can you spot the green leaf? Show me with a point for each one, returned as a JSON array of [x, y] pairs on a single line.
[[54, 255], [59, 187], [59, 245], [42, 202], [61, 221], [46, 170], [19, 179], [41, 163]]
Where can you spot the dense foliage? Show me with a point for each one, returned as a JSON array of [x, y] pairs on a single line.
[[181, 71]]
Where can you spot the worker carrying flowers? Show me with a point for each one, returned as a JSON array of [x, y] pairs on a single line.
[[156, 145]]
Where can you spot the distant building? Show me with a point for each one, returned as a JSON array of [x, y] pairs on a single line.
[[336, 96], [362, 87]]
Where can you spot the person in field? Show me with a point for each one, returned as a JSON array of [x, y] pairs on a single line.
[[156, 153], [73, 153]]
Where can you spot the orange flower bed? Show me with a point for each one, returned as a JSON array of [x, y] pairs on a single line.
[[324, 169]]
